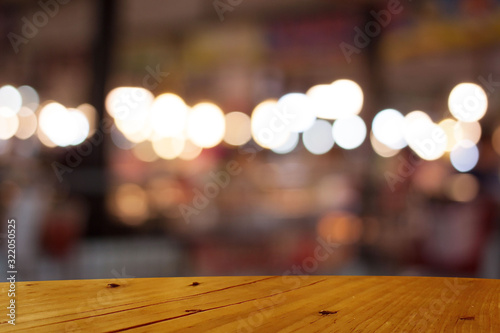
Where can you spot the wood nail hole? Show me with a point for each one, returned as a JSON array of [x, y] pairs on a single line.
[[194, 284], [113, 285]]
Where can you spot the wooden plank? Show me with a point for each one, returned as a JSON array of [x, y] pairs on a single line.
[[257, 304]]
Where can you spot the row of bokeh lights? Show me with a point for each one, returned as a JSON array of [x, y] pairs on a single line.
[[22, 116], [327, 114], [166, 127]]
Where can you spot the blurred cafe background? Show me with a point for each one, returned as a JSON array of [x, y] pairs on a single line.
[[250, 137]]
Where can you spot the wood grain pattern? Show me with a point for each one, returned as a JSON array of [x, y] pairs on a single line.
[[257, 304]]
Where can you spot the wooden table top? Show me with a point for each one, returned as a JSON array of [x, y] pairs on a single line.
[[256, 304]]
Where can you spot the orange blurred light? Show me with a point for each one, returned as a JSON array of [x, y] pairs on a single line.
[[462, 187], [144, 151], [131, 204], [341, 227], [495, 140]]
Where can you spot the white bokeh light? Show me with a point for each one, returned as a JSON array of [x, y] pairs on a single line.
[[44, 139], [321, 100], [289, 145], [349, 132], [127, 103], [341, 98], [9, 123], [130, 107], [51, 118], [135, 123], [468, 102], [10, 101], [415, 117], [464, 156], [268, 129], [62, 126], [348, 97], [381, 149], [29, 97], [388, 128], [318, 139], [297, 109], [169, 115], [427, 139], [416, 124], [80, 126], [206, 125]]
